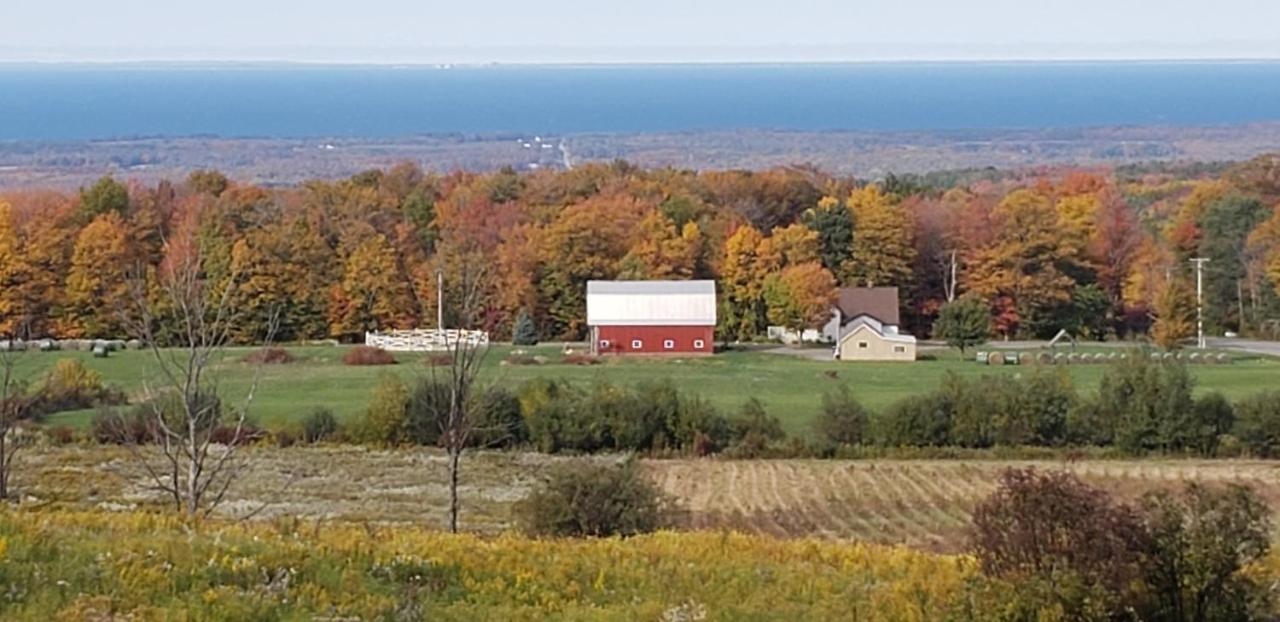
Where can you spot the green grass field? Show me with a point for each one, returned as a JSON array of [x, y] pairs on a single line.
[[790, 387]]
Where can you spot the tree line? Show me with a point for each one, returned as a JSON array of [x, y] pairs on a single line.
[[1102, 253]]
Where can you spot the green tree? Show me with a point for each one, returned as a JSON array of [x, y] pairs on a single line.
[[524, 333], [963, 323], [833, 223], [107, 195]]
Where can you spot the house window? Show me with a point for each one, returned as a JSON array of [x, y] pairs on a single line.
[[604, 344], [698, 344], [669, 344], [899, 349], [862, 345], [636, 344]]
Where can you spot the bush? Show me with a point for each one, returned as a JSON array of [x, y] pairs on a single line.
[[1200, 544], [1147, 405], [366, 355], [386, 421], [269, 356], [1051, 533], [650, 416], [754, 430], [843, 420], [589, 499], [71, 386], [1257, 424], [498, 420], [917, 421], [1213, 418], [319, 425]]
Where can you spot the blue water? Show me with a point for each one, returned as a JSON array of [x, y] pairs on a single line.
[[78, 102]]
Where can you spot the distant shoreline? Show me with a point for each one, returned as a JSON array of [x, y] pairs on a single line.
[[867, 154]]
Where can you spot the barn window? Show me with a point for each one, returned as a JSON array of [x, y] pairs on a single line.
[[862, 345], [698, 344], [604, 344], [899, 349], [669, 344], [636, 344]]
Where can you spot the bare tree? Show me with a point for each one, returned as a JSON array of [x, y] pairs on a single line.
[[197, 455], [458, 410], [12, 404]]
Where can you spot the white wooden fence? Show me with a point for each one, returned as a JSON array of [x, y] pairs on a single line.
[[425, 339]]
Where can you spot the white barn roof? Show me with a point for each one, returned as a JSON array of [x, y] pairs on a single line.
[[651, 303]]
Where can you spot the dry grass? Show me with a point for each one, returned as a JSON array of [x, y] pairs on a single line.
[[923, 504]]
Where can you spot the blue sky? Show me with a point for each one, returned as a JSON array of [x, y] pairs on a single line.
[[635, 30]]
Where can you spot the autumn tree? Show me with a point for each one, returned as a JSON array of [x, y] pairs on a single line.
[[1019, 272], [795, 244], [882, 249], [96, 288], [801, 296], [748, 261], [11, 273], [662, 252], [586, 242], [372, 295], [1175, 315]]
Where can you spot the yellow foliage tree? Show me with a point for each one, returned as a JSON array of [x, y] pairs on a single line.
[[748, 260], [96, 287], [796, 244], [11, 271], [660, 252], [1175, 312], [372, 295], [800, 296], [882, 240], [1020, 267]]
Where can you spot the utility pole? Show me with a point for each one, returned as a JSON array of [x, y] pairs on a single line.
[[440, 300], [1199, 262]]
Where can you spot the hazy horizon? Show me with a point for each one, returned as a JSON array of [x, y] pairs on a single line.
[[659, 31]]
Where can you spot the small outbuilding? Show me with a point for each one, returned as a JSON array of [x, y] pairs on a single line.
[[864, 326], [651, 317]]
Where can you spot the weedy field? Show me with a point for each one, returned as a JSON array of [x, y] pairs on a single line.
[[920, 503], [790, 387]]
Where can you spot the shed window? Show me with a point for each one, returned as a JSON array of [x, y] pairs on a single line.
[[699, 344], [899, 349], [636, 344], [604, 344], [862, 345], [669, 344]]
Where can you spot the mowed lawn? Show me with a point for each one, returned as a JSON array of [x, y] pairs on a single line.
[[791, 387]]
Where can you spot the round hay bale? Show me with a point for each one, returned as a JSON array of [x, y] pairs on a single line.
[[1026, 358], [46, 345], [982, 357], [1194, 358], [133, 344], [1012, 358], [1044, 358], [995, 358], [101, 351], [1224, 358], [1073, 359], [1060, 359], [1169, 356]]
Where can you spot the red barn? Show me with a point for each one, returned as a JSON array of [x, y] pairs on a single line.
[[651, 317]]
